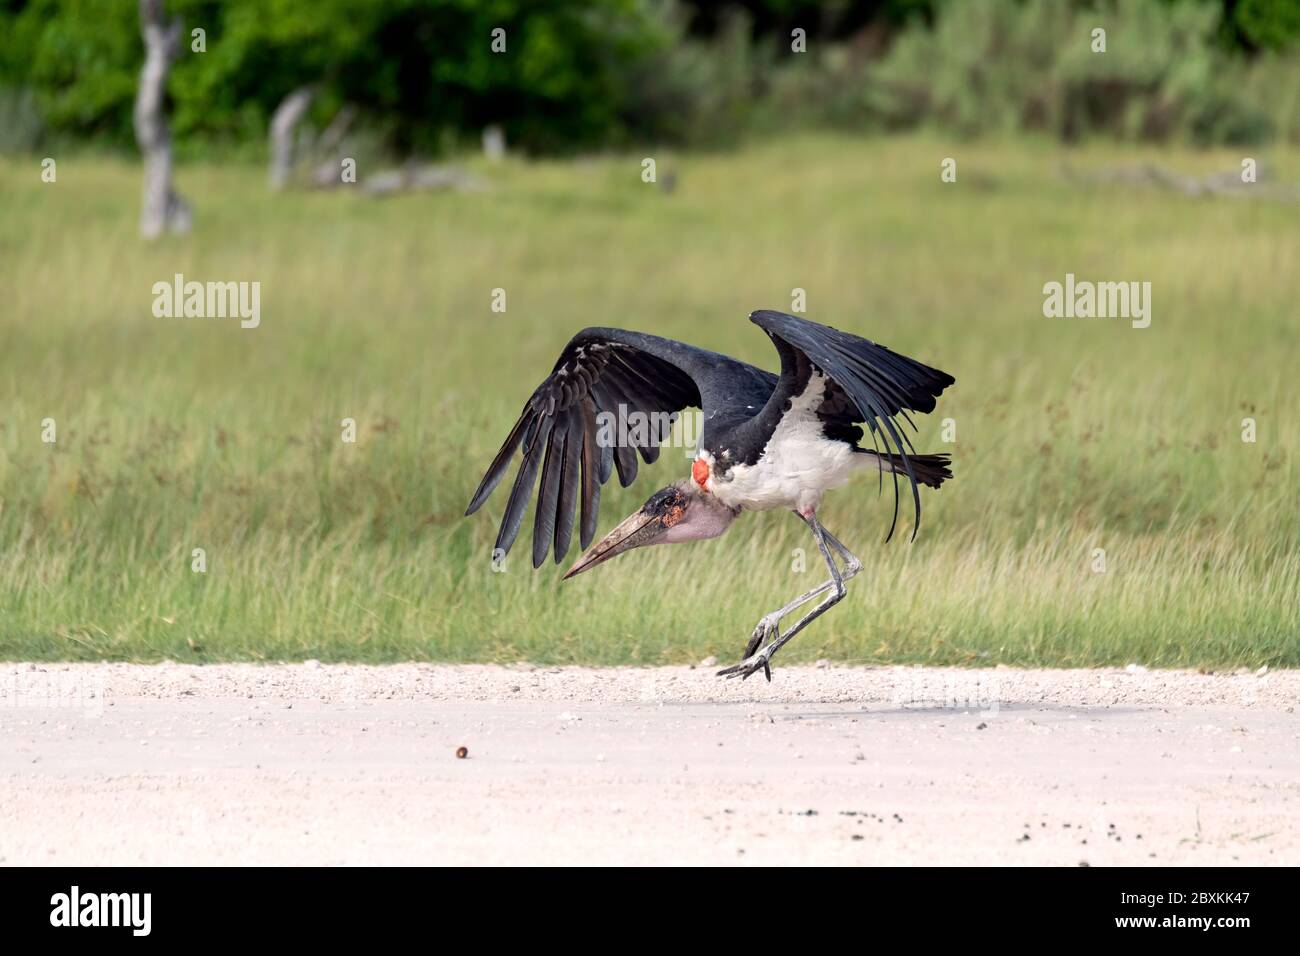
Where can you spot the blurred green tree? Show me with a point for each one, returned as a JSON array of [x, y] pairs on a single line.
[[418, 68], [1263, 24], [583, 73]]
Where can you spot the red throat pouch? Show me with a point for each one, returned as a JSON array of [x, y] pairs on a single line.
[[700, 471]]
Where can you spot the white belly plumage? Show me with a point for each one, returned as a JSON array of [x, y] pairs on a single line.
[[797, 467]]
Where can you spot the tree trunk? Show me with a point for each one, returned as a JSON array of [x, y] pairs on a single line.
[[494, 143], [162, 208], [284, 122]]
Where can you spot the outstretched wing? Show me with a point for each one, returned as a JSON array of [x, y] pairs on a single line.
[[601, 370], [881, 386]]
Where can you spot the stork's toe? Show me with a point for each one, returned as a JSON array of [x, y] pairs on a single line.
[[750, 665]]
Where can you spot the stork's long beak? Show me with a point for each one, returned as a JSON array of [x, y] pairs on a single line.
[[632, 532]]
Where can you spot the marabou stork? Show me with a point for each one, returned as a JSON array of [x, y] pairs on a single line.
[[768, 441]]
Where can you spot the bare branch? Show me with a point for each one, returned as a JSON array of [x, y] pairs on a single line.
[[284, 122]]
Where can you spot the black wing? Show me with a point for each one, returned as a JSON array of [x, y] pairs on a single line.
[[881, 385], [559, 429]]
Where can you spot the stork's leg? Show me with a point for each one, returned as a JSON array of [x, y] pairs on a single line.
[[769, 625]]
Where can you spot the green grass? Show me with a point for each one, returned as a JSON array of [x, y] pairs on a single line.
[[175, 434]]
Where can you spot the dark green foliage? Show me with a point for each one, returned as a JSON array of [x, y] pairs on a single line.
[[583, 74], [1264, 24], [418, 68]]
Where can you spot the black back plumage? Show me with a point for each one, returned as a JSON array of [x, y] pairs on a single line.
[[612, 371], [871, 384]]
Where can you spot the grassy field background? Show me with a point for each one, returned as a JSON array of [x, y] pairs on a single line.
[[175, 434]]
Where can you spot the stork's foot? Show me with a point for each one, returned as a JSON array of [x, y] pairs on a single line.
[[751, 665], [768, 628]]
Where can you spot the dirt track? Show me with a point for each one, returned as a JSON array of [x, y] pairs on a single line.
[[236, 764]]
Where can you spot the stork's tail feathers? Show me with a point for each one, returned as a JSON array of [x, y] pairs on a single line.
[[930, 470]]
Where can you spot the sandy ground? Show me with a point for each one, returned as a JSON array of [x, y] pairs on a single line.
[[303, 763]]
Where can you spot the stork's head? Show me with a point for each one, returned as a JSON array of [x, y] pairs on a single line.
[[680, 512]]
